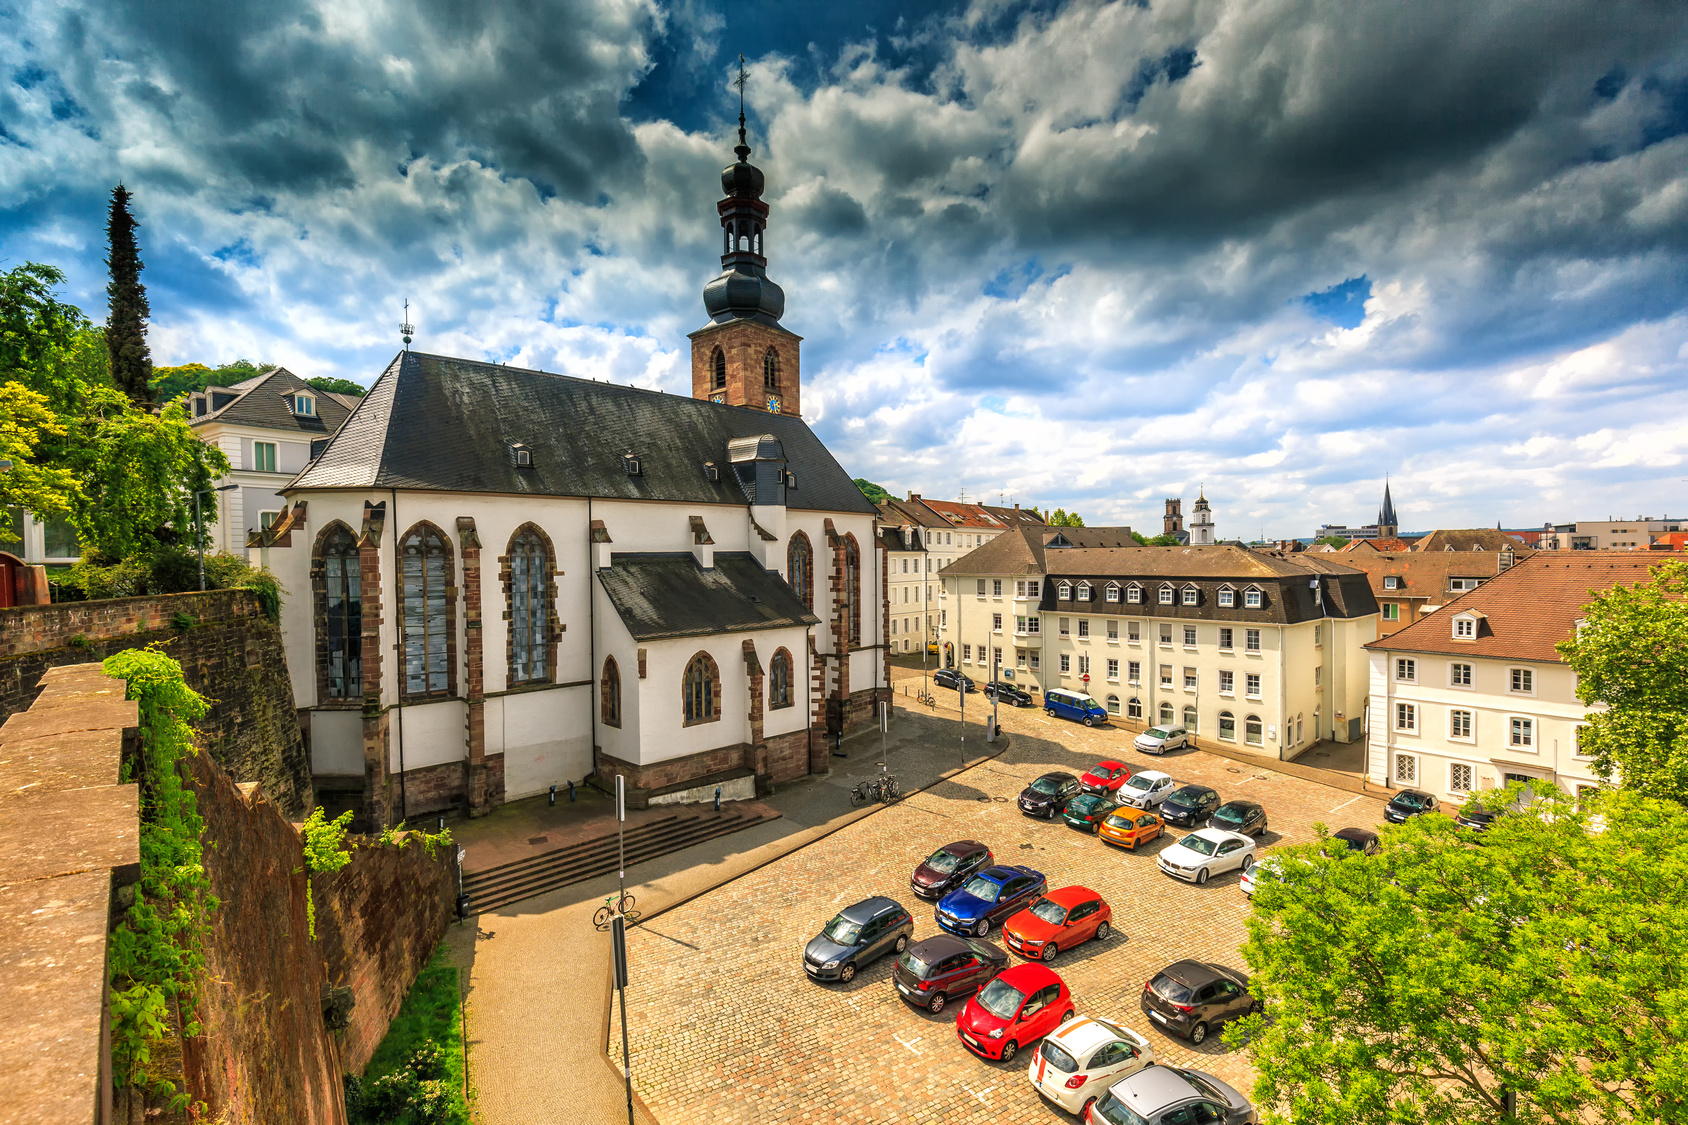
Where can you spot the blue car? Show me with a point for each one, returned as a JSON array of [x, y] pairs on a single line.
[[988, 899], [1073, 705]]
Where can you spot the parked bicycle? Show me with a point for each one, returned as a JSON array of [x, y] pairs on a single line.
[[611, 908], [881, 788]]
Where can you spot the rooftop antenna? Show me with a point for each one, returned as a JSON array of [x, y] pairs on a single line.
[[407, 329]]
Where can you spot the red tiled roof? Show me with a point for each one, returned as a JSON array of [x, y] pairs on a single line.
[[964, 515], [1526, 610]]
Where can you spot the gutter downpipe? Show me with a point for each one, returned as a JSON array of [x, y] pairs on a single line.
[[398, 649], [592, 632]]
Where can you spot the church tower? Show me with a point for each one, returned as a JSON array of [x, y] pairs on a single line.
[[1388, 526], [1201, 523], [1172, 523], [743, 356]]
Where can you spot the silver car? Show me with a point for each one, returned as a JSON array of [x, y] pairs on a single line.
[[1158, 740], [1161, 1095], [1146, 790]]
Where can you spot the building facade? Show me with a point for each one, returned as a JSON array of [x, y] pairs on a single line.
[[922, 536], [501, 580], [1259, 649], [1638, 534], [1410, 584], [1474, 695]]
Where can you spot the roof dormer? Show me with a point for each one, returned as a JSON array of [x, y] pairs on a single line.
[[1467, 625], [303, 404]]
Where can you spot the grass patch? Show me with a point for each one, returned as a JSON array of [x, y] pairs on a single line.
[[416, 1074]]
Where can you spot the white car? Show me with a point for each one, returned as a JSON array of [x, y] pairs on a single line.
[[1268, 867], [1146, 790], [1207, 852], [1158, 740], [1079, 1060]]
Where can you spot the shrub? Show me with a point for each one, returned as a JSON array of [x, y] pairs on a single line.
[[168, 570]]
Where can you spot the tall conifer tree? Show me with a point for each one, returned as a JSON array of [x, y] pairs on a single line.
[[126, 322]]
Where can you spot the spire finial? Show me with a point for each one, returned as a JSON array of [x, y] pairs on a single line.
[[743, 148], [407, 329]]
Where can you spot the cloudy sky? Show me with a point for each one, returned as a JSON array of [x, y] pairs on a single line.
[[1081, 254]]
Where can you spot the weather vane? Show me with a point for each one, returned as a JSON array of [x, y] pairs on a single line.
[[739, 82], [407, 329]]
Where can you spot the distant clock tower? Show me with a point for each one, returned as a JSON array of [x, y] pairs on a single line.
[[744, 356]]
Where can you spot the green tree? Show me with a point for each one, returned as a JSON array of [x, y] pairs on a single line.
[[1063, 518], [1336, 541], [872, 491], [170, 383], [1630, 654], [347, 387], [26, 423], [1157, 541], [126, 320], [1422, 985]]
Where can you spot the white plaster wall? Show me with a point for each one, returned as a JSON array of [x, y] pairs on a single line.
[[614, 640], [433, 733], [337, 743], [546, 738], [663, 733], [784, 720], [637, 526], [1377, 741]]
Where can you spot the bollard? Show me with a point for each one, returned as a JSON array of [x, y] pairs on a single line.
[[551, 800], [717, 798], [571, 792], [442, 822]]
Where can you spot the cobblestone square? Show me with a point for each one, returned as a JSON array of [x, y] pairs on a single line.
[[725, 1025]]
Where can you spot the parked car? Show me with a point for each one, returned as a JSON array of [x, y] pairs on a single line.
[[1158, 740], [858, 935], [938, 969], [950, 678], [1078, 1061], [1059, 920], [1266, 868], [1087, 811], [1191, 998], [989, 898], [1008, 693], [1362, 840], [1172, 1095], [1146, 790], [948, 867], [1129, 827], [1015, 1010], [1407, 804], [1478, 820], [1239, 816], [1207, 852], [1075, 705], [1189, 806], [1048, 795], [1105, 777]]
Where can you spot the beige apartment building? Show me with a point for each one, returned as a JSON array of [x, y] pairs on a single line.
[[1260, 649], [1474, 695], [921, 537], [1637, 534]]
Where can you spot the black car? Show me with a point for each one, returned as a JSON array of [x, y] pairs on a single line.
[[1008, 693], [1477, 819], [859, 934], [1189, 806], [1407, 804], [936, 970], [1191, 998], [1362, 840], [1240, 816], [948, 867], [950, 678], [1049, 794]]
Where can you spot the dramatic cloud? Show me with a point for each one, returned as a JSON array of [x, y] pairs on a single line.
[[1088, 254]]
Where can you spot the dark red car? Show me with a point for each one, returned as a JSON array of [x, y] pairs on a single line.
[[948, 868], [1015, 1010], [1105, 778], [939, 969]]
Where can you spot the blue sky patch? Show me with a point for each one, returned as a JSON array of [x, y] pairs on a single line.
[[1344, 304]]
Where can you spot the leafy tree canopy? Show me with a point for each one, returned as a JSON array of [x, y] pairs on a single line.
[[335, 385], [26, 424], [872, 491], [1157, 541], [1331, 541], [1060, 517], [1631, 654], [1418, 986], [170, 383]]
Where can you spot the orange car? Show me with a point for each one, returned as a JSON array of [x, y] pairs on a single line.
[[1129, 827], [1059, 920]]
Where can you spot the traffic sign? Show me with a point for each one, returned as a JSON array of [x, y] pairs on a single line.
[[1085, 678]]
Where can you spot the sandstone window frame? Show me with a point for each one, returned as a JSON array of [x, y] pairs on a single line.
[[427, 620], [700, 690], [780, 676], [609, 694], [800, 568], [343, 583], [528, 572]]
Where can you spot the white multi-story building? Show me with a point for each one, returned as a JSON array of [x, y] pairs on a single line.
[[921, 537], [1474, 695], [1637, 534], [1259, 649]]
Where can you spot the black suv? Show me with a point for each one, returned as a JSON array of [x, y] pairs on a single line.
[[1189, 806], [859, 934], [1407, 804], [1191, 998], [1008, 693], [950, 678], [1049, 794]]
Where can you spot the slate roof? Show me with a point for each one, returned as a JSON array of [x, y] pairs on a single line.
[[911, 512], [1526, 610], [264, 402], [435, 422], [671, 595], [1013, 517]]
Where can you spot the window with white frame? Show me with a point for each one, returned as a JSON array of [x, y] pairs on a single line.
[[1390, 582], [1252, 599], [1523, 681], [1251, 681], [943, 619], [1033, 658], [1465, 628], [1083, 591], [967, 653], [1523, 731], [1113, 669], [1031, 588], [1406, 717], [1459, 675], [1227, 681], [1189, 636], [1134, 594], [1406, 670], [1252, 730], [1227, 726], [1459, 724], [1034, 624], [1064, 592], [1166, 595], [1020, 625], [1189, 679], [1165, 633], [979, 588], [1083, 665], [1251, 640], [1134, 632], [1462, 777], [996, 587], [1406, 769], [996, 622], [1066, 663], [1227, 597], [1318, 635], [1062, 626], [1391, 611], [1020, 589], [1134, 708], [1225, 638], [1113, 704], [996, 655], [1020, 657], [1166, 675], [1112, 595], [1084, 626], [1134, 671], [1190, 595], [1113, 630]]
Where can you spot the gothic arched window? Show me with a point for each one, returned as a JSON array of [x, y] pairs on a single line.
[[718, 363], [426, 611], [340, 613], [771, 370], [779, 680], [852, 590], [700, 690], [528, 595], [609, 694], [800, 569]]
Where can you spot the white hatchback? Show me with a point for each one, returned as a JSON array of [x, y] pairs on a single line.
[[1079, 1060], [1207, 852], [1146, 790], [1158, 740]]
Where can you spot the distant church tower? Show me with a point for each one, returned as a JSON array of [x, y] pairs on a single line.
[[743, 356], [1201, 523], [1173, 522], [1388, 527]]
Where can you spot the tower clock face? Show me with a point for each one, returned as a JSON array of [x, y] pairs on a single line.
[[718, 398], [773, 404]]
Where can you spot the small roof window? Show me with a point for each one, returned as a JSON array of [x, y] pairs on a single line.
[[304, 405], [630, 464], [520, 455]]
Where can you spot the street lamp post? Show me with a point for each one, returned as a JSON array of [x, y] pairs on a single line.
[[199, 527]]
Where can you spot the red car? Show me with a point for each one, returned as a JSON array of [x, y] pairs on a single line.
[[1015, 1010], [1059, 920], [1105, 778]]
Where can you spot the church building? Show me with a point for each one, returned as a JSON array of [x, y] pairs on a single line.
[[499, 580]]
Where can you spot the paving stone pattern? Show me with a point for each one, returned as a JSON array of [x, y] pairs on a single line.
[[726, 1027]]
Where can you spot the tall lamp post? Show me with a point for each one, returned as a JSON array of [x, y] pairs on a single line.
[[199, 527]]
